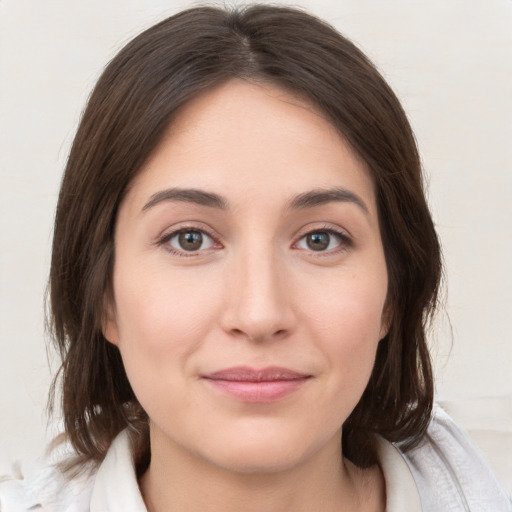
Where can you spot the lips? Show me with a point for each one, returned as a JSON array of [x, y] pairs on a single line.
[[257, 385]]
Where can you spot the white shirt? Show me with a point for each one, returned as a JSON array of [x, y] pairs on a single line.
[[443, 474]]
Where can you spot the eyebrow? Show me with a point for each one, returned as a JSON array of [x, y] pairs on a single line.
[[187, 195], [319, 197], [306, 200]]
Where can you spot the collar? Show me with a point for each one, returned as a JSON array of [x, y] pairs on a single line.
[[401, 491], [116, 488]]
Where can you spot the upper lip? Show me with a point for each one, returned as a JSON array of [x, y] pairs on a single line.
[[248, 374]]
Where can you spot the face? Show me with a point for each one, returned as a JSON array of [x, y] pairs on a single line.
[[249, 281]]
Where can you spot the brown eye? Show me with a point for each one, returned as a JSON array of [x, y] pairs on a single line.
[[323, 241], [189, 240], [318, 241]]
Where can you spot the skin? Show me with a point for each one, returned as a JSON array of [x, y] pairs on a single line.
[[254, 294]]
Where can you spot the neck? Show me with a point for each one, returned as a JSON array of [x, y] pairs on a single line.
[[178, 481]]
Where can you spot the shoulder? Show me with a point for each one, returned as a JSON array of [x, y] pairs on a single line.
[[110, 486], [46, 489], [450, 473]]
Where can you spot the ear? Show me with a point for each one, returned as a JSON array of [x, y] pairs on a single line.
[[109, 326]]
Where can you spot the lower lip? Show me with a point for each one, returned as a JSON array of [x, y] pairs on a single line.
[[258, 392]]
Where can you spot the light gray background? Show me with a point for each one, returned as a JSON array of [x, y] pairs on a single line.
[[450, 62]]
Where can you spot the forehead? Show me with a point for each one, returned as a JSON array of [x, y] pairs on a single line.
[[242, 139]]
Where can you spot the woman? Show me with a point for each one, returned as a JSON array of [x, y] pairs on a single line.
[[243, 269]]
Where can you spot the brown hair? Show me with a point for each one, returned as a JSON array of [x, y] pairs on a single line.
[[131, 106]]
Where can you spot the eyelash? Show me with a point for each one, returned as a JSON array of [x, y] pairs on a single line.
[[345, 242], [164, 241]]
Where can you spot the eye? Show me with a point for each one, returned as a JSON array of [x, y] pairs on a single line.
[[188, 240], [322, 240]]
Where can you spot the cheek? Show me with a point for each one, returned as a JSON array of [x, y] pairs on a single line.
[[162, 321], [349, 308], [347, 319], [157, 310]]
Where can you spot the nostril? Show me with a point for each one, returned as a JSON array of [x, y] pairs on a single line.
[[255, 337]]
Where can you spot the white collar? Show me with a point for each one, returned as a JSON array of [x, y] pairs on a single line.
[[116, 488], [401, 491]]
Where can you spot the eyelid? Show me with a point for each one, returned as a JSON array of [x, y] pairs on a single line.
[[345, 238], [167, 235]]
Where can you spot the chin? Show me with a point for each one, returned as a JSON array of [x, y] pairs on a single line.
[[264, 451]]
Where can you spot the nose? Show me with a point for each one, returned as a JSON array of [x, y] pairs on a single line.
[[258, 306]]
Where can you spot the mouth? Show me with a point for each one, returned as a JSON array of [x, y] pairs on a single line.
[[257, 385]]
